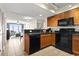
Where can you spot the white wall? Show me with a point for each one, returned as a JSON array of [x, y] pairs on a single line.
[[42, 23], [45, 24], [0, 32], [32, 24], [11, 21], [0, 36]]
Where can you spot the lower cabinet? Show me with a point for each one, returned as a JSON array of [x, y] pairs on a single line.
[[46, 40], [26, 43], [75, 44], [53, 39], [42, 41], [35, 42]]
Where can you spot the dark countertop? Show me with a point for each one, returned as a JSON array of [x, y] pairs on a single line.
[[76, 33], [37, 32], [33, 34]]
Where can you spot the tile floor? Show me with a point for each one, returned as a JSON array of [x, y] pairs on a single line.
[[14, 47], [51, 51]]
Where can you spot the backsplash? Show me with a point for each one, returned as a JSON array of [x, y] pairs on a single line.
[[59, 27]]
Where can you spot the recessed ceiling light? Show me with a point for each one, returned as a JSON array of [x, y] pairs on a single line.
[[27, 17], [5, 16], [70, 5], [40, 15], [52, 11]]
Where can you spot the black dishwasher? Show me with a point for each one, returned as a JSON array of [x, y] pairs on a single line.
[[34, 43]]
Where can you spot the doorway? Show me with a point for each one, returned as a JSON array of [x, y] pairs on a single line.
[[14, 37], [14, 30]]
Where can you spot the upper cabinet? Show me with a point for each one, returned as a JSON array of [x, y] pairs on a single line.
[[61, 16], [67, 14], [75, 13], [53, 20]]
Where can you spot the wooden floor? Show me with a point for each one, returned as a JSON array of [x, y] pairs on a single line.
[[14, 47]]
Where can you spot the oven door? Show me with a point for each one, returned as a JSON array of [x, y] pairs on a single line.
[[64, 42]]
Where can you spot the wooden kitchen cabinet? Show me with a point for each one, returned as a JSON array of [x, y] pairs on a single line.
[[53, 39], [47, 39], [43, 41], [26, 43], [75, 44]]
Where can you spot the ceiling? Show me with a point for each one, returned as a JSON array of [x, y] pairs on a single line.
[[37, 11]]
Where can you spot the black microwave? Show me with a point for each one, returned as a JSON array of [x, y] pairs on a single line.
[[66, 22]]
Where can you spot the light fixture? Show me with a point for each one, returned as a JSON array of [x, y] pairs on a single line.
[[5, 16], [52, 11], [70, 5], [30, 30], [42, 6], [40, 15], [27, 17]]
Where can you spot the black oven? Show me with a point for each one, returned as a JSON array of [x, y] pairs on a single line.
[[64, 40]]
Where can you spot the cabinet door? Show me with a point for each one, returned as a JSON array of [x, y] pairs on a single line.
[[26, 43], [46, 40], [75, 46], [53, 39], [49, 39], [42, 41]]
